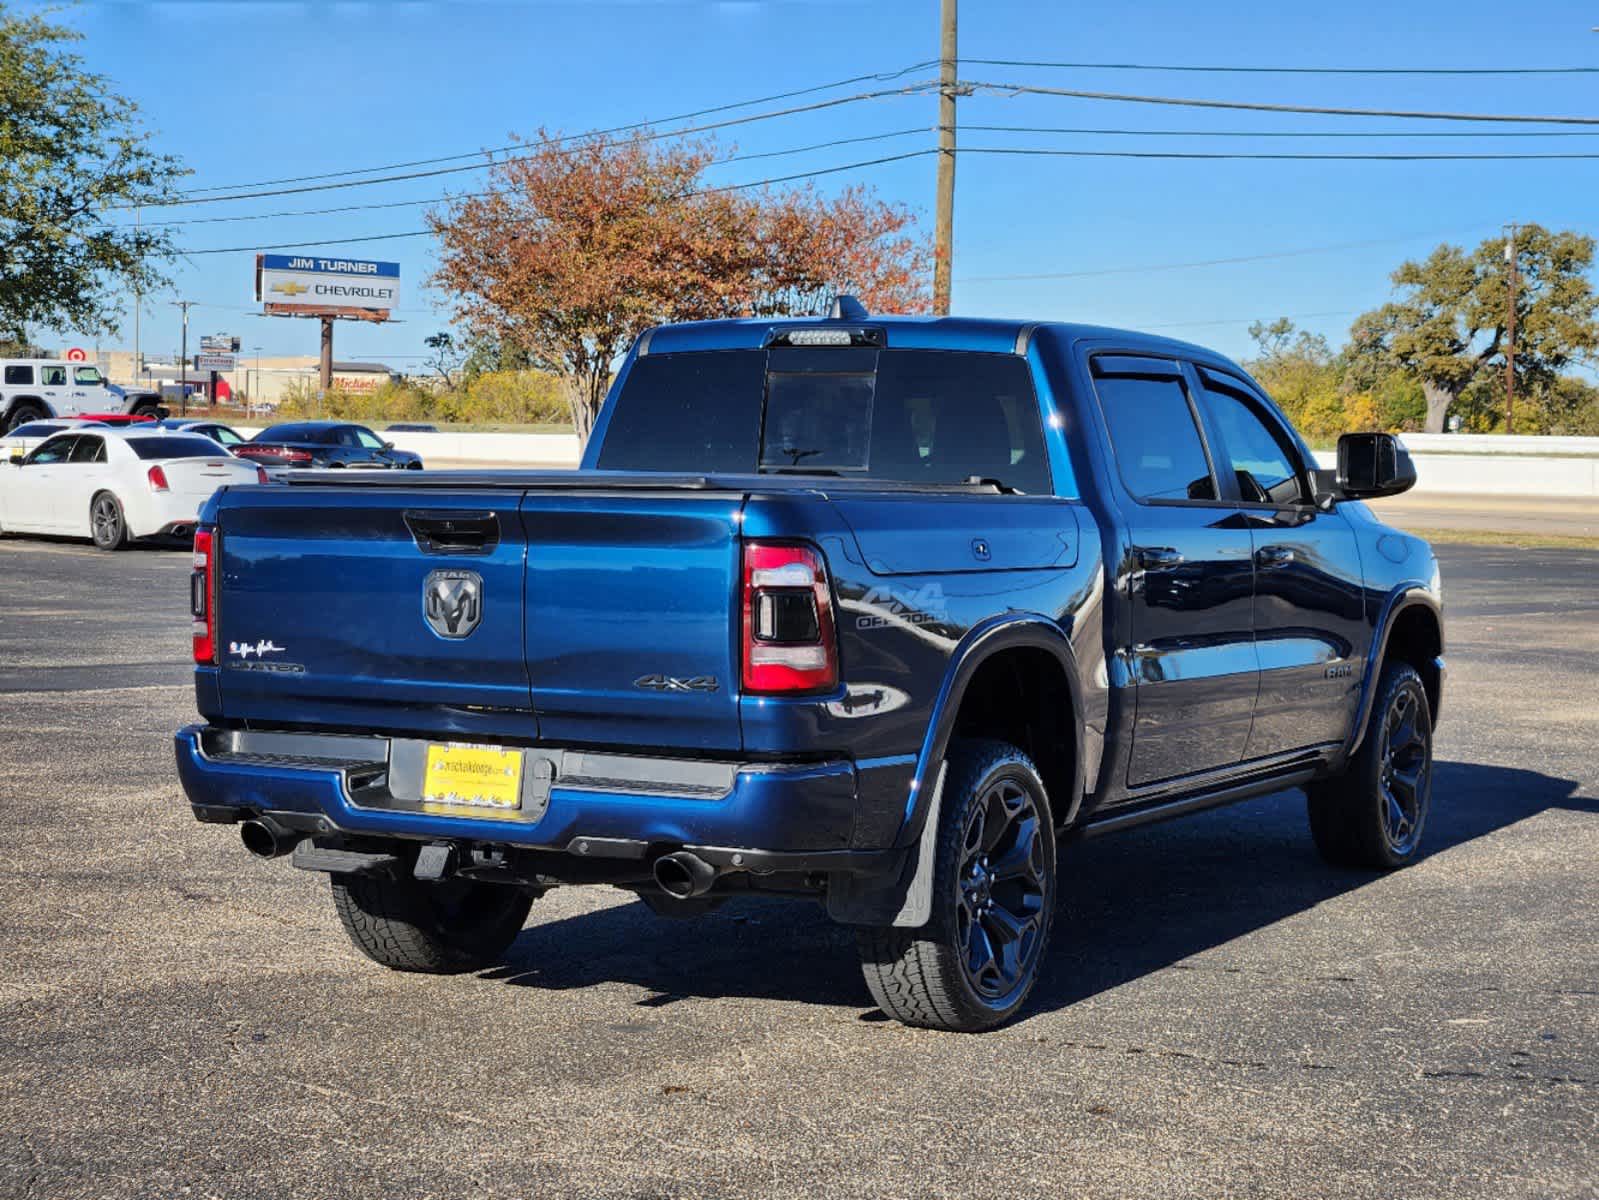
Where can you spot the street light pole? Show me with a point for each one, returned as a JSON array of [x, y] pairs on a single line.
[[183, 360], [1510, 328]]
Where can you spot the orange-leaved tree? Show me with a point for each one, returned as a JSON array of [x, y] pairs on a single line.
[[574, 248]]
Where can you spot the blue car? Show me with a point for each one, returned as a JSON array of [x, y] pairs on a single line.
[[224, 435], [334, 444], [878, 611]]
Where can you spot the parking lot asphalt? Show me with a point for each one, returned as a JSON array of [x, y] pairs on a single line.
[[1221, 1014]]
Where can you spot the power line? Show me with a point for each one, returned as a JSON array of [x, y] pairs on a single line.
[[1017, 89], [1257, 70], [1336, 312], [1047, 152], [319, 212], [1213, 262], [881, 76], [731, 187], [909, 90], [1293, 133]]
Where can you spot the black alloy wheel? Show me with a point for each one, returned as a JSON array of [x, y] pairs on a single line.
[[1405, 776], [107, 526], [1003, 889], [1374, 812]]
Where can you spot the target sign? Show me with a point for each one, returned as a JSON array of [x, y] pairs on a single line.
[[77, 354]]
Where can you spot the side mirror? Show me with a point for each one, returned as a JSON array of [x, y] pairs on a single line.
[[1373, 464], [388, 445]]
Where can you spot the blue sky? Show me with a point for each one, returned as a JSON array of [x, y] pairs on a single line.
[[255, 91]]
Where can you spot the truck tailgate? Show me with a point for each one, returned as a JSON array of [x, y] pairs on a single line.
[[632, 621], [604, 617], [323, 610]]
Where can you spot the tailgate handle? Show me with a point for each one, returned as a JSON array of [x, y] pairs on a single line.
[[454, 532]]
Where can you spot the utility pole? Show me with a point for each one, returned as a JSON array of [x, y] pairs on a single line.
[[326, 376], [183, 360], [944, 221], [1514, 279], [138, 303]]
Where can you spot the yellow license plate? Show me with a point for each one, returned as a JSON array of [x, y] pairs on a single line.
[[474, 777]]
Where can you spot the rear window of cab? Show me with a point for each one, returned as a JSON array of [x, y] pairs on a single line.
[[920, 416]]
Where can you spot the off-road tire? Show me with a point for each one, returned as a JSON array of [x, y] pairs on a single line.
[[21, 415], [433, 928], [1347, 812], [108, 524], [919, 976]]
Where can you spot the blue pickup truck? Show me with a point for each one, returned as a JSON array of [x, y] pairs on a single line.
[[878, 611]]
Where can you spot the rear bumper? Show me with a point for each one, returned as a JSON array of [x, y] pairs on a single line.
[[761, 817]]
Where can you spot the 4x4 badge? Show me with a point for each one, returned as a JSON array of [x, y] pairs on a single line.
[[452, 602], [670, 683]]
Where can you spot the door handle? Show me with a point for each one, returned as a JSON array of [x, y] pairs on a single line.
[[1270, 557], [454, 532], [1155, 558]]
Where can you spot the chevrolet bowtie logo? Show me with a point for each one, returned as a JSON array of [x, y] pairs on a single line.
[[290, 289]]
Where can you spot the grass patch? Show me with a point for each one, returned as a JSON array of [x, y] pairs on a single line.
[[1489, 537]]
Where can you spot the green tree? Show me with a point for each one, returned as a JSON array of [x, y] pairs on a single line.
[[72, 154], [445, 357], [1448, 328], [1299, 371]]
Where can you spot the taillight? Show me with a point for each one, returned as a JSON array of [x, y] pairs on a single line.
[[789, 639], [279, 453], [203, 598], [158, 479]]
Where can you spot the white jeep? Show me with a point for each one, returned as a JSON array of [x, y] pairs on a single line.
[[33, 389]]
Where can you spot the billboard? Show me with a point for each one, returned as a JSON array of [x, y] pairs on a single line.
[[215, 362], [305, 285]]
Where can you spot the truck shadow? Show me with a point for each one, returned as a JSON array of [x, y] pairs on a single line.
[[1131, 904]]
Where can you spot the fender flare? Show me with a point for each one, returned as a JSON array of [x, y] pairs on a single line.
[[1403, 598], [1011, 631]]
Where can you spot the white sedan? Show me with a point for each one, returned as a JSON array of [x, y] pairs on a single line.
[[114, 485]]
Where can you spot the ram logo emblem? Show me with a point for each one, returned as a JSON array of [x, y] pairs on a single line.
[[452, 602]]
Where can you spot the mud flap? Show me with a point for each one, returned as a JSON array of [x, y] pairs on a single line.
[[905, 899], [918, 905]]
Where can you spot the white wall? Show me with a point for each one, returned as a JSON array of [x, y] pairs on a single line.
[[1498, 465], [1446, 463]]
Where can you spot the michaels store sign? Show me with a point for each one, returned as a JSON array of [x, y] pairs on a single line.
[[312, 286]]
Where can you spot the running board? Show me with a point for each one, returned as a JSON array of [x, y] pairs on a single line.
[[1119, 819]]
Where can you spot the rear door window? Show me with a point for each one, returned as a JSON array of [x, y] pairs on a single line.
[[89, 450], [1159, 452], [53, 376]]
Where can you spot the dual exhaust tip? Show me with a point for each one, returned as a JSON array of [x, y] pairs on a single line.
[[268, 839], [681, 875], [684, 876]]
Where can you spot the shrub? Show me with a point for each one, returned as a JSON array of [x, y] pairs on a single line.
[[493, 398]]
